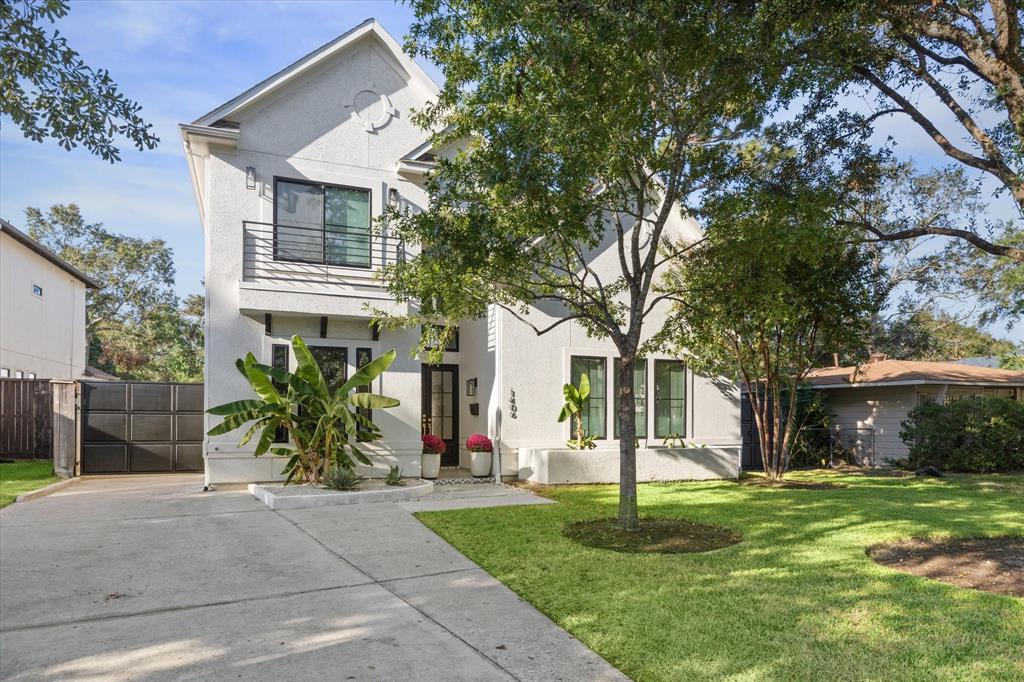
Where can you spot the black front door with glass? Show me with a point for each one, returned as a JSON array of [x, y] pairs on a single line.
[[441, 408], [321, 224]]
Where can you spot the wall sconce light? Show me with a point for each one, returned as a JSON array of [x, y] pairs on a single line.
[[471, 387], [250, 177], [393, 197]]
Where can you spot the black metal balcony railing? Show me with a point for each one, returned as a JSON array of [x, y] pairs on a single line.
[[335, 254]]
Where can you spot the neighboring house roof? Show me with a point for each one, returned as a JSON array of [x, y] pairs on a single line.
[[904, 372], [19, 236], [94, 373], [311, 60]]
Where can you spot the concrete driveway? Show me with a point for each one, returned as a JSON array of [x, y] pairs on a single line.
[[150, 578]]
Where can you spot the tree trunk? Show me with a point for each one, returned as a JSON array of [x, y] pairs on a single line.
[[629, 518]]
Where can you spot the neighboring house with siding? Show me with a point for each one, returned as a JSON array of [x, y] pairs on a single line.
[[289, 178], [42, 310], [877, 396]]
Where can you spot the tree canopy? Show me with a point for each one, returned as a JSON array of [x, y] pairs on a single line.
[[135, 325], [49, 91]]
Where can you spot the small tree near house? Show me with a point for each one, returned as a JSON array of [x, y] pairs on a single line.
[[583, 130], [776, 284]]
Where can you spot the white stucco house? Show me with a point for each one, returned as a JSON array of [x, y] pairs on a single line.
[[42, 310], [288, 178]]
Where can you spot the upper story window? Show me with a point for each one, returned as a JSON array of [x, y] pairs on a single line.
[[37, 290], [322, 224]]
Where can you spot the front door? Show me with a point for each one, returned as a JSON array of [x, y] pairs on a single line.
[[441, 408]]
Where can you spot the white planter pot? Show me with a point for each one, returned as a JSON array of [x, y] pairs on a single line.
[[430, 466], [480, 463]]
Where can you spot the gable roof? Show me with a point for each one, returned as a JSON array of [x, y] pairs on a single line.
[[269, 85], [886, 372], [22, 238]]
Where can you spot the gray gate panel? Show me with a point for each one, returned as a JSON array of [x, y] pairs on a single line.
[[152, 397], [104, 459], [104, 396], [188, 457], [188, 427], [151, 427], [189, 398], [105, 427], [150, 458]]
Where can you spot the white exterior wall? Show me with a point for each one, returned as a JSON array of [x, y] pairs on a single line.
[[42, 335], [305, 131], [882, 409]]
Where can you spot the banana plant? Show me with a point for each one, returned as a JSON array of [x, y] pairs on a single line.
[[575, 399], [324, 427]]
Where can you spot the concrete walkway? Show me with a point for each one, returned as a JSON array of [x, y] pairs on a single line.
[[150, 578]]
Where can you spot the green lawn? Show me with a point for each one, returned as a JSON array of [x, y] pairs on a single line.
[[796, 599], [22, 477]]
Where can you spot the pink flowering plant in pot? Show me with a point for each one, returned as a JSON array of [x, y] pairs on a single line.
[[480, 449], [430, 460]]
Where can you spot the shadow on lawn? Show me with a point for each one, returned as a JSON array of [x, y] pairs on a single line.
[[797, 599]]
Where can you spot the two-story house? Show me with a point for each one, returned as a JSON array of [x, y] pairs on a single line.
[[289, 177], [42, 310]]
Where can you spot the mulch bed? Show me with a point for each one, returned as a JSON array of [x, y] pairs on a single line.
[[788, 485], [990, 564], [659, 536]]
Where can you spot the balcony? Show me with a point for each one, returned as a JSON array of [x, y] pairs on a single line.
[[312, 270]]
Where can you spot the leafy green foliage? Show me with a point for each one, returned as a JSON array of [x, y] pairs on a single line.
[[569, 131], [934, 335], [342, 478], [325, 427], [394, 477], [973, 435], [136, 326], [49, 91], [775, 283], [572, 408]]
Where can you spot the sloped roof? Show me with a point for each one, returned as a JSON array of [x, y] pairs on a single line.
[[913, 372], [22, 238], [311, 60]]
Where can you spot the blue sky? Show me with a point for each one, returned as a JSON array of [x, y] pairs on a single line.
[[181, 59]]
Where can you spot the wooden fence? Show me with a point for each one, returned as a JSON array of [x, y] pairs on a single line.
[[26, 418]]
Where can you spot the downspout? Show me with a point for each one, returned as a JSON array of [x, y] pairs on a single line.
[[499, 391]]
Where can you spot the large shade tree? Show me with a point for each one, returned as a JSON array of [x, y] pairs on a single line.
[[48, 90], [575, 121]]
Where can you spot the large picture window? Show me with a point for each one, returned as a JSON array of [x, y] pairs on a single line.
[[324, 224], [333, 363], [669, 398], [595, 407], [640, 391]]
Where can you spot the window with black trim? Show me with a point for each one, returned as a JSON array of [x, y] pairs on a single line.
[[363, 357], [333, 363], [279, 360], [453, 343], [595, 407], [669, 398], [321, 223], [640, 391]]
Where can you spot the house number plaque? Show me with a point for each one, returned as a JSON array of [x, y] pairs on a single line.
[[512, 409]]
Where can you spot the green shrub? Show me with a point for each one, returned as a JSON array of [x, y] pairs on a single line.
[[341, 478], [976, 435], [394, 476]]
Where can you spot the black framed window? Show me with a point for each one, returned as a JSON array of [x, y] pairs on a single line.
[[640, 391], [320, 223], [333, 363], [363, 357], [279, 360], [669, 398], [453, 342], [595, 407]]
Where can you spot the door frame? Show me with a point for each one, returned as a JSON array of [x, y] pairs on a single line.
[[451, 456]]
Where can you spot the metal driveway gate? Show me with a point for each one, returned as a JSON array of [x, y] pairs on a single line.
[[141, 427]]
